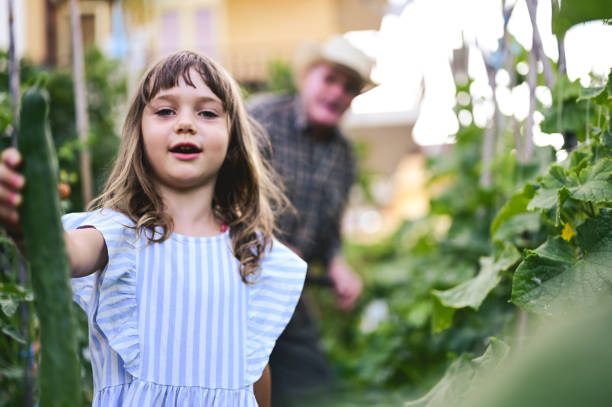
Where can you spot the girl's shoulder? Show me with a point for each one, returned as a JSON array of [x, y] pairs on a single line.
[[280, 262], [104, 217], [116, 227]]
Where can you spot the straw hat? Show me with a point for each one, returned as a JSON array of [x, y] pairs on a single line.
[[338, 51]]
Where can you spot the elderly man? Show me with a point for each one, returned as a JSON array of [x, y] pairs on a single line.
[[317, 166]]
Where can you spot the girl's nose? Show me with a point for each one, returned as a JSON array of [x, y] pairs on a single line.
[[184, 124]]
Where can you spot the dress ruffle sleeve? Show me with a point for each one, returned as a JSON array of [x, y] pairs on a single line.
[[273, 295], [116, 308]]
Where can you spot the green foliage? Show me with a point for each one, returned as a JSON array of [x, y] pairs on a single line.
[[565, 364], [471, 293], [571, 206], [13, 357], [463, 376], [280, 77], [560, 276]]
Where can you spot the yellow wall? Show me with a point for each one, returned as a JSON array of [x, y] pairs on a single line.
[[258, 31], [279, 21], [35, 43]]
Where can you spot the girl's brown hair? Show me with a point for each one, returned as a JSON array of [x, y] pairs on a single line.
[[247, 195]]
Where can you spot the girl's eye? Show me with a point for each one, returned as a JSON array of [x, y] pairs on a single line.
[[164, 112], [208, 114]]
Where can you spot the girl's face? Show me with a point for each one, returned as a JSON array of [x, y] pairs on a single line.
[[185, 134]]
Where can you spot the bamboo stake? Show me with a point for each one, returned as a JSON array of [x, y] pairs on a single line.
[[22, 274], [13, 74], [532, 82], [80, 97], [532, 7]]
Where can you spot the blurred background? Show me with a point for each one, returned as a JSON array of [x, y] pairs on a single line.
[[478, 100]]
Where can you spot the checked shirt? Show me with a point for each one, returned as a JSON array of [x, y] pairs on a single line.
[[317, 174]]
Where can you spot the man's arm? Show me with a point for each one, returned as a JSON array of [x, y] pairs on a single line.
[[347, 283]]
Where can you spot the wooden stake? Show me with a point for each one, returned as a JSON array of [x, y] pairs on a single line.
[[80, 98]]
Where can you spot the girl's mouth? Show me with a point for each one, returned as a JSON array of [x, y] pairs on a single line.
[[185, 151]]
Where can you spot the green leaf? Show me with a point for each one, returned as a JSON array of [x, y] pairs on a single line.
[[517, 204], [10, 297], [547, 196], [595, 183], [516, 225], [574, 12], [463, 376], [555, 278], [472, 293], [592, 93], [566, 363], [8, 304], [442, 317], [11, 331], [607, 138]]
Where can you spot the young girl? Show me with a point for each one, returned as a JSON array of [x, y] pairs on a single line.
[[176, 269]]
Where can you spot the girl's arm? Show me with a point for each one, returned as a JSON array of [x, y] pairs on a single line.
[[262, 388], [86, 248], [86, 251]]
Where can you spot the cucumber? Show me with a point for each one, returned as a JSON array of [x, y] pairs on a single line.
[[59, 371]]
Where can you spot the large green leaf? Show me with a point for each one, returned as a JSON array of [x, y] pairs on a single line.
[[472, 293], [574, 12], [463, 377], [566, 364], [557, 277], [594, 183]]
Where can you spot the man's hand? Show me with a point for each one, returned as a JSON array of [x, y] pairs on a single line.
[[346, 282]]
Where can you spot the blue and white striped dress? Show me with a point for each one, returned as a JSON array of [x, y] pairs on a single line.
[[173, 324]]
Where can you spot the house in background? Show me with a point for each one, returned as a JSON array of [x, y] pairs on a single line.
[[245, 35], [45, 28]]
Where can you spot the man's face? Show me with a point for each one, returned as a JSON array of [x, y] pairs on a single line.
[[327, 92]]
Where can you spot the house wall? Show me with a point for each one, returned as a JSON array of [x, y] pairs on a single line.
[[35, 43], [101, 12], [190, 24]]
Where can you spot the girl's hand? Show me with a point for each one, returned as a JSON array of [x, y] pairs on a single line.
[[11, 184]]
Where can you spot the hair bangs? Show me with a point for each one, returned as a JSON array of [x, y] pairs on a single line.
[[167, 74]]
